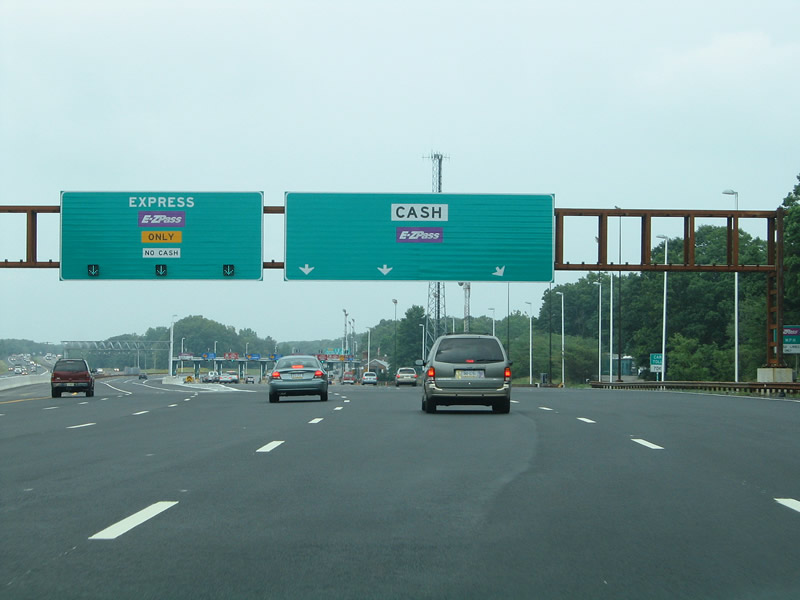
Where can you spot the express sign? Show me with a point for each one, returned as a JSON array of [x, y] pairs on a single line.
[[134, 235]]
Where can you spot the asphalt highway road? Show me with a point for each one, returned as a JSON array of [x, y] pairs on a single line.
[[166, 492]]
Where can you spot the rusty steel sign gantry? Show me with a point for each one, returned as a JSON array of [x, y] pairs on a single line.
[[773, 268]]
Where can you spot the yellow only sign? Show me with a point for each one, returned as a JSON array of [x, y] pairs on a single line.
[[162, 237]]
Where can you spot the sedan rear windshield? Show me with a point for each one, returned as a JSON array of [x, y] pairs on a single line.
[[72, 366], [468, 350], [289, 362]]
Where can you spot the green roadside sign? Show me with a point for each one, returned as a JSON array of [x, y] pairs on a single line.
[[656, 362], [161, 235], [419, 237]]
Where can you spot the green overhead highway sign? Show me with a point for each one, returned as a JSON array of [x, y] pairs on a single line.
[[161, 235], [419, 237]]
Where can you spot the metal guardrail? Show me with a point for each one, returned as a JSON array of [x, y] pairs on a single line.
[[726, 387]]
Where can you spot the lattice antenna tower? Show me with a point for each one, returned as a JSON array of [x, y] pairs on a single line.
[[436, 318]]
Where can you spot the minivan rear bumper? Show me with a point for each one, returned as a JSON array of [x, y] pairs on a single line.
[[445, 393]]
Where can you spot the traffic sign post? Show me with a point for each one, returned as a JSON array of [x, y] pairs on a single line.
[[161, 235], [791, 339], [656, 363], [419, 237]]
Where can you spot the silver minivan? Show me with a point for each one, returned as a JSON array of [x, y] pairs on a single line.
[[469, 369]]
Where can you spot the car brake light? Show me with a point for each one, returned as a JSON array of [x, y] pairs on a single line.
[[276, 375], [318, 374], [431, 373], [507, 374], [470, 360], [297, 366]]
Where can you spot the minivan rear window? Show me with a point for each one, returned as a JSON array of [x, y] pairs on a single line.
[[464, 350], [71, 366]]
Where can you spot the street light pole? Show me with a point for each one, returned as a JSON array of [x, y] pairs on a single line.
[[423, 340], [183, 338], [491, 309], [171, 331], [619, 304], [664, 315], [735, 195], [599, 330], [394, 358], [530, 343], [563, 379], [611, 327]]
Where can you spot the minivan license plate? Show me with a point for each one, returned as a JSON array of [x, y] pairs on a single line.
[[469, 373]]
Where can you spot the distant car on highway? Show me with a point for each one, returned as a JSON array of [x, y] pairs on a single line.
[[142, 375], [211, 377], [369, 378], [234, 376], [72, 375], [349, 378], [298, 375], [405, 376], [249, 379]]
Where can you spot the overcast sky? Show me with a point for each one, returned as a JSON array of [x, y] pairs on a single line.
[[629, 103]]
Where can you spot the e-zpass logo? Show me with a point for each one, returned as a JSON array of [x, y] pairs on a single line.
[[420, 235], [170, 218]]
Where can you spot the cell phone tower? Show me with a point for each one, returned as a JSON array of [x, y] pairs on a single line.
[[436, 317]]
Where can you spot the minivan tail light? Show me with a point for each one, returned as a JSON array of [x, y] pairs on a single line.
[[507, 374]]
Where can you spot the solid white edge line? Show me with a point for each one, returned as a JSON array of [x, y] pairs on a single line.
[[647, 444], [124, 526], [314, 421], [789, 503], [585, 420], [79, 426], [271, 446], [116, 389]]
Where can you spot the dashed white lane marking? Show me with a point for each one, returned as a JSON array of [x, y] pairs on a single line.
[[186, 399], [544, 408], [101, 399], [172, 406], [313, 421], [585, 420], [50, 408], [124, 526], [647, 444], [789, 503], [515, 402], [347, 400], [79, 426], [339, 408], [271, 446], [83, 403], [141, 412]]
